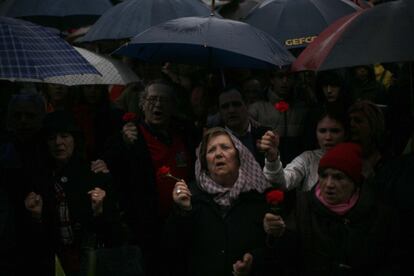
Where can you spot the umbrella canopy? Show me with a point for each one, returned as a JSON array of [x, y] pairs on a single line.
[[295, 23], [61, 14], [383, 33], [112, 72], [131, 17], [30, 52], [207, 41]]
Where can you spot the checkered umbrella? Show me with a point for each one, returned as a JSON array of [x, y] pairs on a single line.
[[30, 52], [112, 72]]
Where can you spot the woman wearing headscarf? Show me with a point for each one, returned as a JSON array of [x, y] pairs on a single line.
[[218, 219], [339, 227]]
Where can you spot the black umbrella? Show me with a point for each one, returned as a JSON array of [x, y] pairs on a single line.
[[60, 14]]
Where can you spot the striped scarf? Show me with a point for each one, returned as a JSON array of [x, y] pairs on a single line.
[[65, 228]]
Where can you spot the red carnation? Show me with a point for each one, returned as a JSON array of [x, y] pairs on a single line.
[[275, 198], [282, 106], [165, 171], [129, 117]]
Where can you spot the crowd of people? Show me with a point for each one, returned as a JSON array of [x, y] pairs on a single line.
[[170, 176], [81, 171]]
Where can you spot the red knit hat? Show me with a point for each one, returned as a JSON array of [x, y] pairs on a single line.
[[345, 157]]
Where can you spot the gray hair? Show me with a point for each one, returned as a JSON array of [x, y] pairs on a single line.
[[144, 93]]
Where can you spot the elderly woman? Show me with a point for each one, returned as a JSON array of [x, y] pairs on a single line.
[[72, 204], [339, 227], [217, 218]]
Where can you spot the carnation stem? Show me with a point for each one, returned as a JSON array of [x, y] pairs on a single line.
[[173, 177]]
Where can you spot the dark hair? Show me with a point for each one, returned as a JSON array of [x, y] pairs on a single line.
[[210, 133], [330, 77], [317, 115], [231, 88], [332, 113], [333, 78], [64, 122], [33, 98], [375, 118]]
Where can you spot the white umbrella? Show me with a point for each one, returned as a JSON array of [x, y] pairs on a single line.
[[112, 72]]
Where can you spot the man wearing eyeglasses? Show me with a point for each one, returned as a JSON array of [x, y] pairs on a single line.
[[154, 140]]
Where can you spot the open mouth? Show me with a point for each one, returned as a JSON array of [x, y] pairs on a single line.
[[220, 164], [157, 113]]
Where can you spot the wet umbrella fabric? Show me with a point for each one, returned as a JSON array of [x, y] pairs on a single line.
[[383, 33], [30, 52], [295, 23], [112, 72], [208, 41], [132, 17], [60, 14]]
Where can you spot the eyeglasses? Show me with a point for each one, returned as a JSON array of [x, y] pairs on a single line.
[[234, 104], [152, 100]]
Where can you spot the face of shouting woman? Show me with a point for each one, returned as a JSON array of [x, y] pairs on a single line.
[[222, 160]]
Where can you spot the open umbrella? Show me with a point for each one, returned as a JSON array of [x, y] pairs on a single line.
[[383, 33], [236, 10], [131, 17], [60, 14], [112, 71], [295, 23], [209, 41], [30, 52]]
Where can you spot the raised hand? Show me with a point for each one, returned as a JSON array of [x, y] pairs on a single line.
[[34, 204], [97, 197], [243, 267], [129, 133], [182, 195], [269, 144]]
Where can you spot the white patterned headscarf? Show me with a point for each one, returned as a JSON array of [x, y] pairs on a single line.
[[251, 177]]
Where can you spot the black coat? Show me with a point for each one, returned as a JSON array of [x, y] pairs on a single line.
[[361, 242], [211, 239]]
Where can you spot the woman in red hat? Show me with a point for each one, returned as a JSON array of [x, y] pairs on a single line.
[[339, 227]]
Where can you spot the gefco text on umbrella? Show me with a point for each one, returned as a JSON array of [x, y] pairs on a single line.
[[299, 41]]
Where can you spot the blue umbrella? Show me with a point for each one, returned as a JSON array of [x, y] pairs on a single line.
[[61, 14], [209, 41], [296, 23], [30, 52], [131, 17]]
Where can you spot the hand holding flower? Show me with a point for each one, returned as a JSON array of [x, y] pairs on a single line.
[[273, 223], [182, 195]]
